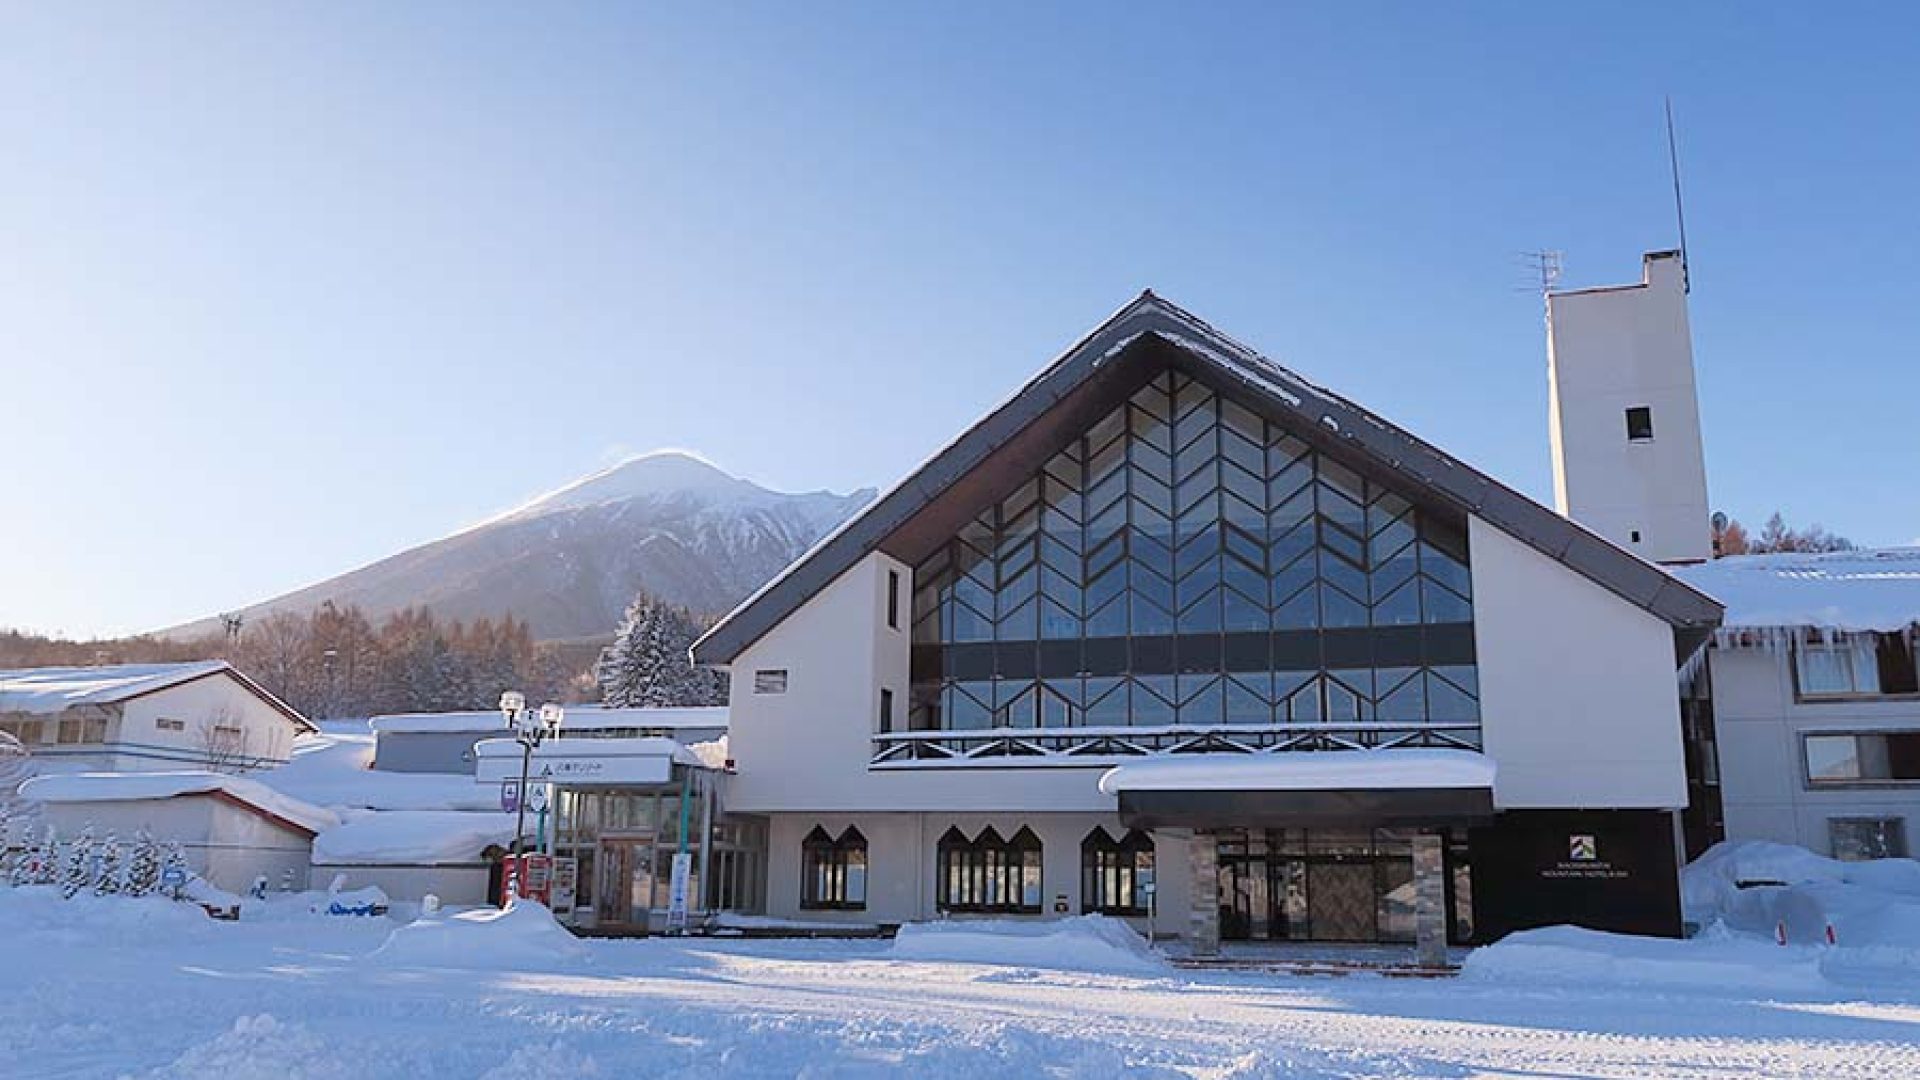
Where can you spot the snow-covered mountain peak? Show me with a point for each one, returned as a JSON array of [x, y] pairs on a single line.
[[659, 474]]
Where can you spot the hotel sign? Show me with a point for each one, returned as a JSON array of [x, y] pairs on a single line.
[[1583, 861], [576, 762]]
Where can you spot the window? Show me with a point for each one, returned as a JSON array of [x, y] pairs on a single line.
[[94, 729], [1857, 665], [770, 681], [833, 871], [893, 599], [1868, 757], [1163, 566], [1868, 838], [988, 874], [33, 732], [166, 724], [886, 711], [68, 731], [1639, 424], [1116, 876]]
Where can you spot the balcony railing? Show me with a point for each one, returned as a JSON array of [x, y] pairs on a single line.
[[1094, 746]]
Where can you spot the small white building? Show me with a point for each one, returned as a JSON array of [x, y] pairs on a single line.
[[134, 717], [1804, 717], [231, 829]]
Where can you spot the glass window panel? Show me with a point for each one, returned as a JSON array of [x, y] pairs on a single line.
[[1400, 608], [1244, 706], [966, 707], [1057, 623], [1149, 430], [1299, 612], [1337, 609], [1020, 703], [1239, 613], [1448, 703], [1299, 696], [1106, 702], [1203, 615], [1109, 620], [1445, 569], [1439, 604], [1153, 700], [1402, 694], [1149, 618], [1205, 705], [1833, 758]]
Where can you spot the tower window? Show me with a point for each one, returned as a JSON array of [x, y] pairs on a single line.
[[1640, 424]]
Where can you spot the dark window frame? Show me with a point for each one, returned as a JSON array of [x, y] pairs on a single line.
[[770, 681], [893, 599], [886, 711], [827, 865], [1639, 423], [988, 875], [1896, 659], [1109, 867], [1897, 832], [1813, 783]]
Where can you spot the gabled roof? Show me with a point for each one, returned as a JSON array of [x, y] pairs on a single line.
[[122, 787], [44, 691], [1151, 333]]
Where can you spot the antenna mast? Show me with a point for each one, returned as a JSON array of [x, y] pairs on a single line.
[[1679, 205]]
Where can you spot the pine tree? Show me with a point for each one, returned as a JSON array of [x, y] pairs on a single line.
[[648, 665], [76, 870], [108, 882], [176, 860], [46, 858], [143, 866]]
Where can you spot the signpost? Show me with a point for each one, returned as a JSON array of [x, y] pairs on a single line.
[[677, 892], [566, 884], [537, 802]]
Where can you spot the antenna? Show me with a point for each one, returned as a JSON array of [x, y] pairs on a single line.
[[1679, 205], [1544, 267]]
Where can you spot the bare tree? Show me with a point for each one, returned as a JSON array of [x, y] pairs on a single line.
[[223, 740]]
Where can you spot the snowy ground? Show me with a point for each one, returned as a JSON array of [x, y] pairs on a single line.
[[113, 987]]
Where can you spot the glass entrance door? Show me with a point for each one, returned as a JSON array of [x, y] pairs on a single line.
[[624, 881], [1323, 885]]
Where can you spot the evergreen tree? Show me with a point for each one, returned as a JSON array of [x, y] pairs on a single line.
[[76, 870], [176, 860], [143, 866], [45, 869], [108, 882], [648, 665]]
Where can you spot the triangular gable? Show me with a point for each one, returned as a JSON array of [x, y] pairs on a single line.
[[1152, 330]]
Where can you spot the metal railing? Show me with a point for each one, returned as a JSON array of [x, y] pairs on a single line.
[[1093, 746]]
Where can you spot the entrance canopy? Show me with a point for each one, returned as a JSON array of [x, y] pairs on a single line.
[[585, 762], [1297, 789]]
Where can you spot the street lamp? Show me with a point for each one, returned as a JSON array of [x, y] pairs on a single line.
[[530, 729]]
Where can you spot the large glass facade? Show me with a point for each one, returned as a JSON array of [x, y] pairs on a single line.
[[1187, 562]]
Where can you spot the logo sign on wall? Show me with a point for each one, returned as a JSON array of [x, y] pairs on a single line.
[[510, 796], [1582, 847]]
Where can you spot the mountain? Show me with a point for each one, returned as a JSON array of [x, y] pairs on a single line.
[[570, 561]]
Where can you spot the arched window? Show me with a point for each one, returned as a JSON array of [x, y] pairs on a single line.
[[833, 872], [988, 873], [1116, 876]]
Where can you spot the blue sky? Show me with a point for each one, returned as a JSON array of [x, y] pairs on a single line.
[[285, 289]]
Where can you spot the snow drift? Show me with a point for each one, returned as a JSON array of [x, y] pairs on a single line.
[[1081, 943], [522, 936], [1763, 888]]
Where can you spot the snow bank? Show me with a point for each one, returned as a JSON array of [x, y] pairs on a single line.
[[1580, 957], [412, 837], [1760, 887], [522, 936], [119, 787], [1838, 590], [1410, 768], [1081, 943], [712, 754]]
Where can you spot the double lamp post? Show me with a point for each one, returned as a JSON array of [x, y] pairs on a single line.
[[530, 728]]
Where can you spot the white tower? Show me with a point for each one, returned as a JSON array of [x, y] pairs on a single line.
[[1628, 459]]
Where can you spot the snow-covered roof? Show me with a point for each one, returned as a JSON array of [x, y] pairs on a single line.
[[1327, 770], [48, 690], [578, 717], [122, 787], [53, 689], [413, 837], [1837, 590], [336, 770]]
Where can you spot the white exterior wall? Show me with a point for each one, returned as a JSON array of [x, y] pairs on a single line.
[[903, 863], [456, 886], [1578, 705], [268, 732], [223, 843], [808, 749], [1763, 774], [1609, 350]]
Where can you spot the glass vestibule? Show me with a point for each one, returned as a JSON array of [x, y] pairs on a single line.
[[623, 840], [1331, 885]]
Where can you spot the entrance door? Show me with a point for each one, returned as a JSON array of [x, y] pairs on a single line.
[[1340, 900], [624, 885]]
